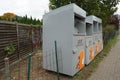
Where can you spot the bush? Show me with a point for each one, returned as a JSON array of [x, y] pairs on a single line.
[[110, 29], [9, 49], [108, 33]]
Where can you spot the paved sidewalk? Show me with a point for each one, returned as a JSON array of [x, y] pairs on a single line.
[[109, 68]]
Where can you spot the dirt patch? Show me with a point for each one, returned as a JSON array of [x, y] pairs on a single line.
[[19, 71]]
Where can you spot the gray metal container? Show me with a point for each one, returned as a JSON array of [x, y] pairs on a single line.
[[97, 33], [66, 25], [100, 39], [89, 50]]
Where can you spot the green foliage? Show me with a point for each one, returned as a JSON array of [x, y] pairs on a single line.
[[101, 8], [25, 19], [110, 29], [10, 49], [107, 8]]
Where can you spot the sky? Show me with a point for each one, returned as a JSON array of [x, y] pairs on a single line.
[[34, 8], [118, 11]]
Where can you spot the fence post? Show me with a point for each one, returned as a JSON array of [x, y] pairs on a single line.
[[29, 65], [18, 42], [7, 72], [57, 61], [31, 36], [18, 47]]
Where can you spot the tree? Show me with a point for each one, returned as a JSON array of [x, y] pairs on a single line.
[[9, 15], [101, 8], [34, 21], [25, 19], [107, 9], [31, 19]]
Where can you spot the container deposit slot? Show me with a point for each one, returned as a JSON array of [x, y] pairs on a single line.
[[88, 29], [100, 27], [95, 27], [79, 28]]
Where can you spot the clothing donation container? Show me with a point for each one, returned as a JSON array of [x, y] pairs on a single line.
[[97, 33], [89, 47], [100, 36], [65, 25]]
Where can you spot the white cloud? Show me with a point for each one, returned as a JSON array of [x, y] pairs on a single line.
[[34, 8]]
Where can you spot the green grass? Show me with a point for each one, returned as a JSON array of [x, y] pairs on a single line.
[[86, 72]]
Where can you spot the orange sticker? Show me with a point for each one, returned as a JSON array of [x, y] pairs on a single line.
[[96, 47], [91, 56], [80, 63]]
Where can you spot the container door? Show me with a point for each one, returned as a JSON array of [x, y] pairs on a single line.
[[89, 54], [79, 52]]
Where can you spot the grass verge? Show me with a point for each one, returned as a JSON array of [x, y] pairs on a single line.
[[87, 71]]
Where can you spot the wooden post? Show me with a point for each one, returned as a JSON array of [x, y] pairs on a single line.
[[7, 72], [31, 38], [18, 47]]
